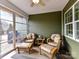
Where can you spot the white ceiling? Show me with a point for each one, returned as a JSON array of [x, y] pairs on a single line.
[[50, 6]]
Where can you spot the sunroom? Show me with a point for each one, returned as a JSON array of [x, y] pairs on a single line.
[[41, 18]]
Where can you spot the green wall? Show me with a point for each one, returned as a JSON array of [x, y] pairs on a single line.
[[73, 44], [74, 48], [46, 23]]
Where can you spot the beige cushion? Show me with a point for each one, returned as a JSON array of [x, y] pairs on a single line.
[[29, 41], [57, 38], [52, 44], [29, 36], [52, 36], [33, 35], [23, 45], [46, 48]]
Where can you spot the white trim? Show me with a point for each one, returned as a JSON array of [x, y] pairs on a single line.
[[69, 23], [73, 15]]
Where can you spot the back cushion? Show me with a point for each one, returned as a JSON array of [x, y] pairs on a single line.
[[57, 38], [52, 36], [29, 36], [33, 35]]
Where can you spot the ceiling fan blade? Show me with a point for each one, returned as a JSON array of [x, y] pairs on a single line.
[[42, 3]]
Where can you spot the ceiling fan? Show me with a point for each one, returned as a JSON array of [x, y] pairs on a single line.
[[37, 2]]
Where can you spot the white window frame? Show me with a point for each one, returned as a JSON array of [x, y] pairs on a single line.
[[73, 22]]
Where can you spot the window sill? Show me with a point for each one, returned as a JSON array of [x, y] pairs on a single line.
[[77, 40]]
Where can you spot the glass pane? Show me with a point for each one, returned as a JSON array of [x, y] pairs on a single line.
[[20, 26], [6, 24], [20, 20], [77, 30], [77, 11], [6, 15], [69, 30]]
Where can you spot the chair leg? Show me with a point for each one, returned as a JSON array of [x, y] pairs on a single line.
[[29, 50], [18, 50], [51, 57], [40, 51]]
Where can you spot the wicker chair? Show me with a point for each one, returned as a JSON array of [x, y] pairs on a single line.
[[52, 44]]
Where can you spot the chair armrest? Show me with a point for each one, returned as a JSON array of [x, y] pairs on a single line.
[[43, 41], [53, 51], [48, 40], [52, 44]]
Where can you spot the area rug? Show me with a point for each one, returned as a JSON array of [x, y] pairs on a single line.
[[21, 56]]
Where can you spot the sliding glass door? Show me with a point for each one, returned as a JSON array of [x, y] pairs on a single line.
[[13, 28]]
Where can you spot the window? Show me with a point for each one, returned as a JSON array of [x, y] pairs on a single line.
[[72, 22]]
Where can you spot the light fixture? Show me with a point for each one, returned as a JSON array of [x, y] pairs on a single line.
[[35, 1]]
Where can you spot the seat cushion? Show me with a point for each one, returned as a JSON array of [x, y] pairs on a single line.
[[52, 44], [23, 45], [46, 48], [29, 41]]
